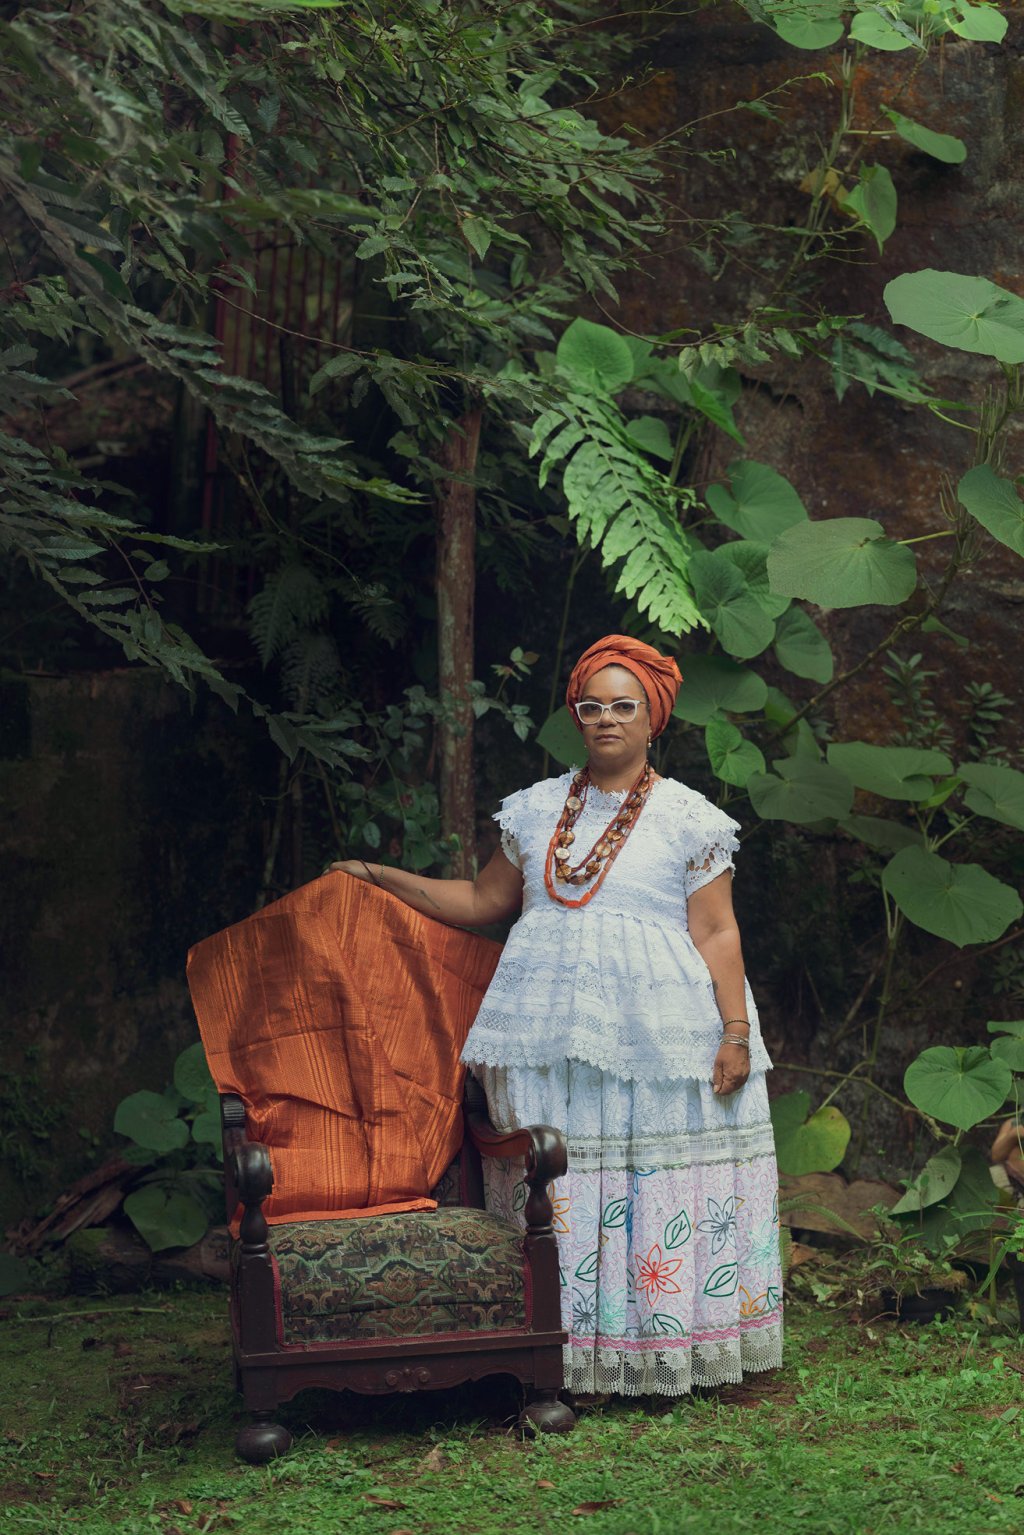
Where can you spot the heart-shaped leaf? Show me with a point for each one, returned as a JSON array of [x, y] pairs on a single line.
[[897, 772], [935, 1180], [751, 560], [995, 504], [801, 647], [1014, 1027], [816, 1146], [808, 27], [969, 313], [733, 759], [995, 792], [886, 836], [967, 1207], [873, 202], [802, 791], [151, 1121], [737, 618], [957, 1085], [846, 563], [192, 1074], [979, 23], [758, 504], [595, 356], [1009, 1050], [652, 435], [879, 30], [941, 146], [166, 1218], [960, 902], [713, 684]]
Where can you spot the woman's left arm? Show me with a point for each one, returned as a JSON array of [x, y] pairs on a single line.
[[716, 938]]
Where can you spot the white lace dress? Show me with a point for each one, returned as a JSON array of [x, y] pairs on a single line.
[[602, 1021]]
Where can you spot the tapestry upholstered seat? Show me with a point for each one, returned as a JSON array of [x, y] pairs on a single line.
[[403, 1301]]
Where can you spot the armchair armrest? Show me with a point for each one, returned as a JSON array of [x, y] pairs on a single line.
[[248, 1173], [541, 1147]]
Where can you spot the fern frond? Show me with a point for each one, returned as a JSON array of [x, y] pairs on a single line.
[[621, 506], [292, 599]]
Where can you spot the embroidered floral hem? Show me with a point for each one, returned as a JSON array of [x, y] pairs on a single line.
[[667, 1224]]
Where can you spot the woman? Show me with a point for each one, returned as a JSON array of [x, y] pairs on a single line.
[[619, 1012]]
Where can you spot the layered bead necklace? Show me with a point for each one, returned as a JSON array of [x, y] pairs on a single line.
[[559, 869]]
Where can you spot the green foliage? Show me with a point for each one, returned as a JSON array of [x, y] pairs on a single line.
[[808, 1143], [960, 902], [941, 146], [176, 1141], [995, 504], [971, 314], [846, 562], [959, 1086]]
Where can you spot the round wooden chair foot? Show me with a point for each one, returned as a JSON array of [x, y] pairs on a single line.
[[262, 1441], [545, 1414]]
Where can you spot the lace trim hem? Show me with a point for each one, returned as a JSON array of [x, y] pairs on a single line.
[[687, 1064], [674, 1371]]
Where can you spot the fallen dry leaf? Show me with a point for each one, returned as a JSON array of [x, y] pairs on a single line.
[[957, 1468], [391, 1503], [434, 1460], [45, 1476], [183, 1505], [802, 1252], [992, 1497], [543, 1483], [596, 1508], [122, 1350]]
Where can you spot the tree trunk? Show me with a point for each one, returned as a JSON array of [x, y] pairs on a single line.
[[456, 581]]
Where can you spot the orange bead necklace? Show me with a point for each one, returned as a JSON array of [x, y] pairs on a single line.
[[595, 866]]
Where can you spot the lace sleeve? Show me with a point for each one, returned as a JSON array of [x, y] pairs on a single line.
[[710, 844], [509, 819]]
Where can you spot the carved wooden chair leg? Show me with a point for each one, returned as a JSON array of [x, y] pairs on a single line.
[[545, 1414], [261, 1440]]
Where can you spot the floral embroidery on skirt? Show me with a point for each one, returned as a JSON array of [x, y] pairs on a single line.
[[667, 1224]]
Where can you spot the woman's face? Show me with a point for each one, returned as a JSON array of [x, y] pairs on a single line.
[[613, 744]]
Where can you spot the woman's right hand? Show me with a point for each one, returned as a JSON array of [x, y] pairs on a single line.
[[354, 866]]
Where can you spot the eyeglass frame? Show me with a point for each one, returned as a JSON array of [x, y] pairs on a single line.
[[592, 703]]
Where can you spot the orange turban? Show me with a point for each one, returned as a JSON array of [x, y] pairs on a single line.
[[658, 675]]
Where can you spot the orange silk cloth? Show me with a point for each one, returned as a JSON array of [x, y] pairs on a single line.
[[338, 1014]]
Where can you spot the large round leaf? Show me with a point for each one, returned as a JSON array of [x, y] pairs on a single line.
[[596, 356], [961, 902], [877, 832], [969, 313], [941, 146], [737, 618], [758, 504], [797, 740], [995, 792], [151, 1121], [652, 435], [192, 1074], [995, 504], [880, 31], [714, 683], [805, 29], [801, 647], [967, 1207], [801, 790], [733, 759], [957, 1085], [845, 563], [1015, 1026], [165, 1218], [751, 560], [935, 1180], [559, 737], [817, 1145], [897, 772], [1009, 1050], [979, 23]]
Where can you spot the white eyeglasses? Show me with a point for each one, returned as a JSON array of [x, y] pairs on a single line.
[[622, 710]]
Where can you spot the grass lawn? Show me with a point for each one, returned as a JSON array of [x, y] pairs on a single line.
[[118, 1417]]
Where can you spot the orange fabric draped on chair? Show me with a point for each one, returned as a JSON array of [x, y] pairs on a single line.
[[337, 1014]]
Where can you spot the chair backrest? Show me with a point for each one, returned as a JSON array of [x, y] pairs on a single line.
[[338, 1014]]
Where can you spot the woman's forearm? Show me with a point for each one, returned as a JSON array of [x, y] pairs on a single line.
[[722, 952], [495, 894]]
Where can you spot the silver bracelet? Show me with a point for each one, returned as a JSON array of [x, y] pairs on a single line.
[[736, 1039]]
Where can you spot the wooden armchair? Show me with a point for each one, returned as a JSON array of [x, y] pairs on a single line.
[[410, 1301]]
